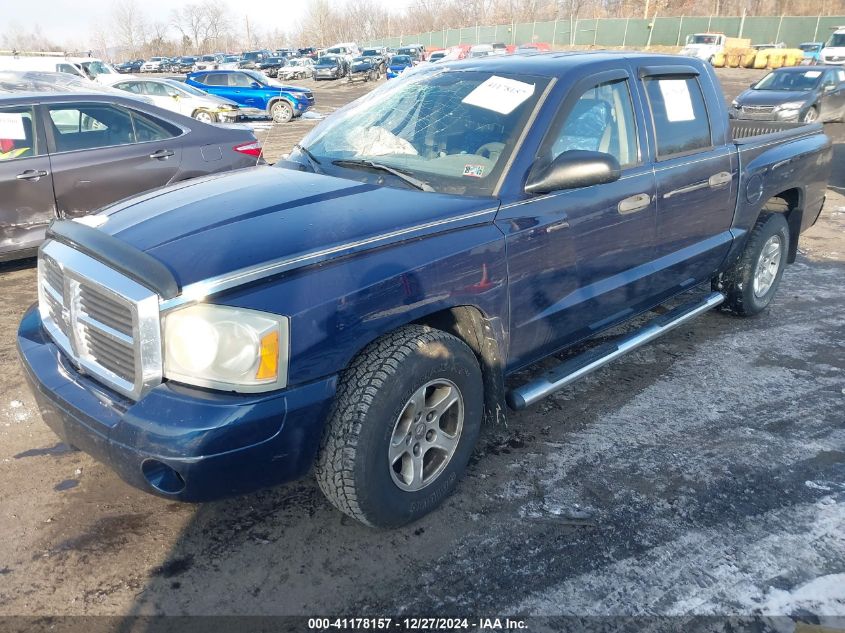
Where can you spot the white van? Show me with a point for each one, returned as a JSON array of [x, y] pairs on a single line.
[[347, 50], [834, 50], [41, 64]]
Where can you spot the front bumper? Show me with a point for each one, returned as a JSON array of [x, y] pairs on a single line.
[[220, 444]]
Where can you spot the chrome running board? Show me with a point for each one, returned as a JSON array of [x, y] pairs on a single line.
[[583, 364]]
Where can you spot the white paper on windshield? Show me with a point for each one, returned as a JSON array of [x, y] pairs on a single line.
[[11, 126], [677, 98], [812, 74], [500, 94]]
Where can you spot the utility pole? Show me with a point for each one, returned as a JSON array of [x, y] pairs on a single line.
[[645, 11]]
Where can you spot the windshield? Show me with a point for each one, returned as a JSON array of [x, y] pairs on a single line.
[[370, 52], [791, 81], [810, 48], [186, 88], [97, 68], [401, 59], [259, 77], [209, 58], [327, 61], [836, 40], [253, 55], [452, 129], [703, 39]]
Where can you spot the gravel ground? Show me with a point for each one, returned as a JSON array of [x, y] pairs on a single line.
[[703, 474]]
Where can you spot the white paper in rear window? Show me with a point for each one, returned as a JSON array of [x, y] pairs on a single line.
[[677, 98], [11, 126]]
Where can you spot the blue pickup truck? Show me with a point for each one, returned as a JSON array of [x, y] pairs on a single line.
[[253, 90], [364, 304]]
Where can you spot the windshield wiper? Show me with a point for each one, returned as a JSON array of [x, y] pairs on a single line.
[[312, 160], [422, 185]]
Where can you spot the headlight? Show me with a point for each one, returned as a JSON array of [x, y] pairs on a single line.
[[792, 105], [227, 348], [735, 104]]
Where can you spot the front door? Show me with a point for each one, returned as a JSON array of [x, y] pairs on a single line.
[[833, 95], [104, 152], [579, 259], [26, 188]]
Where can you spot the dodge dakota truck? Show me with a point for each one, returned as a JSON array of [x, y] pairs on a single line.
[[362, 307]]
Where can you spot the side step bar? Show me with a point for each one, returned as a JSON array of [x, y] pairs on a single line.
[[579, 366]]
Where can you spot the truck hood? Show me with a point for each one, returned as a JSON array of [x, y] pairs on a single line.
[[219, 224], [771, 97]]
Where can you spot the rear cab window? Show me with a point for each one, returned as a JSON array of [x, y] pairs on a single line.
[[679, 115]]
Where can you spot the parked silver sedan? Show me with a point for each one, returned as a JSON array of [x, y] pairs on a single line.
[[180, 97]]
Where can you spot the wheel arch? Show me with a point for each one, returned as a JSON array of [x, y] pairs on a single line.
[[473, 327], [274, 100], [790, 203]]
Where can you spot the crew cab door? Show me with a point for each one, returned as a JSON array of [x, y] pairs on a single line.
[[240, 85], [579, 259], [26, 187], [695, 172], [102, 152]]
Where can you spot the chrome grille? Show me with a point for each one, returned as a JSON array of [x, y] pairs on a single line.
[[107, 324], [758, 109]]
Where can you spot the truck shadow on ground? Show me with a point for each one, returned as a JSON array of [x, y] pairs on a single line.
[[544, 500]]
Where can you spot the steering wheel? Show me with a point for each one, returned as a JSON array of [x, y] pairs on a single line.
[[491, 150]]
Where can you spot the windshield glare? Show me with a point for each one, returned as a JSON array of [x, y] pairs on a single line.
[[791, 81], [452, 129]]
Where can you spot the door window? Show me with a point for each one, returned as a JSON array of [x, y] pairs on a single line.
[[239, 80], [130, 86], [88, 126], [156, 89], [148, 128], [602, 120], [17, 134], [218, 79], [681, 124]]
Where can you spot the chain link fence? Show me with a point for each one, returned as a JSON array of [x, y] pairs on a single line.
[[629, 32]]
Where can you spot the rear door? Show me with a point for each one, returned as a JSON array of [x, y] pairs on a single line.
[[102, 152], [26, 188], [695, 172], [579, 259]]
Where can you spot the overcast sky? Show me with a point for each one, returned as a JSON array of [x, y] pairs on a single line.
[[68, 21]]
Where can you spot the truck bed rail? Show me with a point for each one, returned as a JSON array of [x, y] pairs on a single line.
[[742, 130]]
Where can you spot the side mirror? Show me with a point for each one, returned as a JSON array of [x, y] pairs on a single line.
[[175, 95], [255, 84], [573, 169], [829, 88]]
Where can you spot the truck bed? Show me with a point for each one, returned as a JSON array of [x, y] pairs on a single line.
[[744, 131]]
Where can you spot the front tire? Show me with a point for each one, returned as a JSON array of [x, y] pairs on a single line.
[[406, 418], [204, 116], [751, 283], [281, 112], [810, 116]]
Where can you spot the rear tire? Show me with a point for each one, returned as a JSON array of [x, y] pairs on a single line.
[[751, 283], [388, 454]]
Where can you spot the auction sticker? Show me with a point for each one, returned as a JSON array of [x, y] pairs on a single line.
[[11, 126], [474, 171], [500, 94], [677, 98]]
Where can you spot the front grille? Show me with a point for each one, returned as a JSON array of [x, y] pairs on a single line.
[[106, 323], [758, 109]]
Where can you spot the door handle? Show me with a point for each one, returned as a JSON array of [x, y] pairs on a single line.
[[31, 174], [635, 203], [717, 180], [162, 153], [563, 224]]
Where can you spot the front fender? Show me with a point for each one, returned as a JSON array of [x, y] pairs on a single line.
[[339, 307]]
